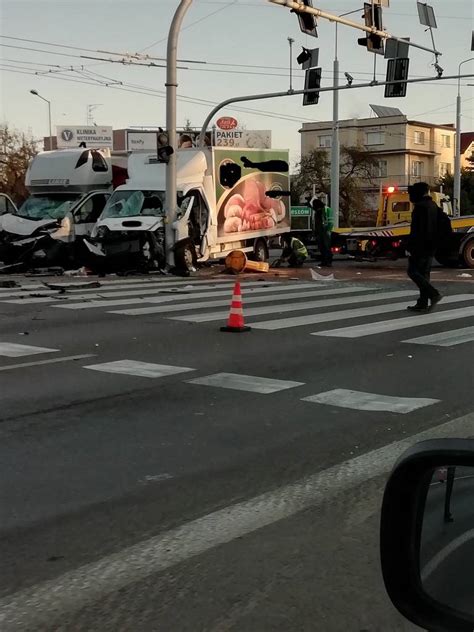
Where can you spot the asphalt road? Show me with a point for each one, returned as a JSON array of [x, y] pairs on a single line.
[[182, 499]]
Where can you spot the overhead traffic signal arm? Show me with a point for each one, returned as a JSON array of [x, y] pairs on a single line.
[[301, 7]]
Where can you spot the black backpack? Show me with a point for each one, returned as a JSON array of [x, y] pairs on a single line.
[[444, 228]]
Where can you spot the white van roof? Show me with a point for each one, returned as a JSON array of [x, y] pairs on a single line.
[[79, 169]]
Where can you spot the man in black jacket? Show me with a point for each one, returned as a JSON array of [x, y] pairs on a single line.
[[422, 245]]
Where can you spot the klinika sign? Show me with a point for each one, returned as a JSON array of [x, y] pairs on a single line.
[[70, 136]]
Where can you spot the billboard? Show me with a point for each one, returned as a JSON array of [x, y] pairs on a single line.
[[94, 136], [141, 141], [241, 183], [252, 139]]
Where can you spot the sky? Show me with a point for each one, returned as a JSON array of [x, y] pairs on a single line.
[[244, 44]]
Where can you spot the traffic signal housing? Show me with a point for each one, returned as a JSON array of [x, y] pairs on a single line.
[[312, 81], [373, 19], [308, 24]]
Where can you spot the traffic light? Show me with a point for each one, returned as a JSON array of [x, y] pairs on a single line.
[[373, 18], [397, 70], [307, 21], [163, 148], [312, 81]]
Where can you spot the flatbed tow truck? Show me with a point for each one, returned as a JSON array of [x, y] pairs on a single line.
[[389, 237]]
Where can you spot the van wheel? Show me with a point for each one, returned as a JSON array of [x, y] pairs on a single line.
[[468, 254], [185, 257], [260, 250]]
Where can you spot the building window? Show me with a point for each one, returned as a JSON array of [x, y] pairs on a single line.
[[446, 140], [445, 169], [379, 170], [375, 138], [325, 141], [419, 138], [417, 168]]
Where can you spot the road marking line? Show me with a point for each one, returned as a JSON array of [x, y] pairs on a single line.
[[442, 555], [248, 299], [297, 306], [191, 292], [95, 293], [52, 361], [346, 314], [139, 369], [445, 338], [43, 604], [358, 400], [249, 383], [396, 324], [13, 350]]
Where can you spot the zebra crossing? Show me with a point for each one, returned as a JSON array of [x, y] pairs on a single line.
[[329, 310]]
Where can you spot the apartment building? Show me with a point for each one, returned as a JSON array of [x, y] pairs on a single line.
[[407, 151]]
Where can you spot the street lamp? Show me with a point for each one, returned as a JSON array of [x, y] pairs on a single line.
[[457, 155], [36, 94]]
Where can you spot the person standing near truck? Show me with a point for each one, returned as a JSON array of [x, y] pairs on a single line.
[[422, 245], [322, 223]]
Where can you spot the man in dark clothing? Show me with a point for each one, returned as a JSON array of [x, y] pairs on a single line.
[[422, 245], [322, 228]]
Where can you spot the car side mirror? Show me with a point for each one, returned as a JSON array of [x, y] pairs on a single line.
[[427, 535]]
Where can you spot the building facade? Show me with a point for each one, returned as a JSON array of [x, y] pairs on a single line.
[[407, 151]]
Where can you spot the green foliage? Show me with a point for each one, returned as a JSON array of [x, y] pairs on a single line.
[[357, 168], [467, 189]]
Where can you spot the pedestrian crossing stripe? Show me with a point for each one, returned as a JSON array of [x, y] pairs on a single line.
[[445, 338], [138, 369], [370, 329], [249, 299], [148, 290], [250, 383], [359, 400], [300, 306], [13, 350], [347, 314]]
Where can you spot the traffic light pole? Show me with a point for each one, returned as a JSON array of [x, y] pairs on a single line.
[[171, 86], [335, 152], [457, 150], [292, 93], [298, 7]]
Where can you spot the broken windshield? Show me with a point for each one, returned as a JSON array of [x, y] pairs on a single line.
[[38, 207], [132, 203]]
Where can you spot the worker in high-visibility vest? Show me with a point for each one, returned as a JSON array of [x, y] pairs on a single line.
[[322, 223], [294, 251]]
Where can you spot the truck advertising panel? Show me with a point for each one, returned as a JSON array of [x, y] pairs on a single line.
[[242, 178]]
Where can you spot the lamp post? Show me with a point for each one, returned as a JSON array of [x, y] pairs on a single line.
[[457, 155], [36, 94]]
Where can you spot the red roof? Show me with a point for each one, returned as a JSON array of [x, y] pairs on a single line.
[[466, 139]]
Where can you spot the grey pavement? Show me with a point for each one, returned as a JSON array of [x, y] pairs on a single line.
[[101, 468]]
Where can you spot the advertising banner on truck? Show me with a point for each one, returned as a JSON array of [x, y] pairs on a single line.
[[242, 178]]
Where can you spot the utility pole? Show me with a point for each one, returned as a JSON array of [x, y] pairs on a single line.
[[457, 154], [291, 41], [171, 88]]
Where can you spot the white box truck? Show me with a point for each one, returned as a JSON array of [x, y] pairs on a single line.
[[223, 206]]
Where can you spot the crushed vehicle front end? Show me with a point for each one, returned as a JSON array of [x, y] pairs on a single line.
[[130, 233]]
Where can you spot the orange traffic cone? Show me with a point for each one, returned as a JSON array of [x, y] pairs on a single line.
[[235, 322]]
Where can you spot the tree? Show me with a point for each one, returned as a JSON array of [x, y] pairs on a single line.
[[16, 151], [357, 167], [467, 189]]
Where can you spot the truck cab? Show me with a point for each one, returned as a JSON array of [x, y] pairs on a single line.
[[395, 206]]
